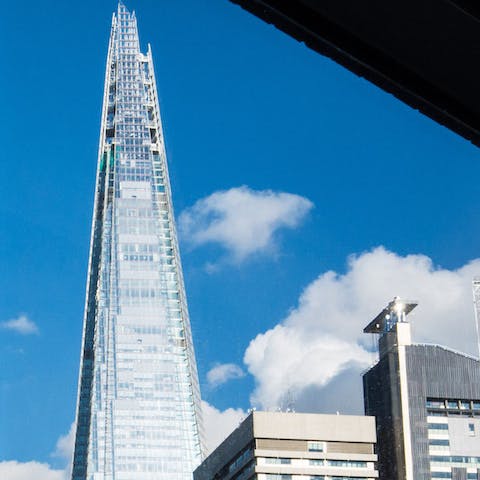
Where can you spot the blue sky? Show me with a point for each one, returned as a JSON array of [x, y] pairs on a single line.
[[243, 105]]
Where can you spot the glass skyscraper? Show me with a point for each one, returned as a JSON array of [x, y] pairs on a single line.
[[138, 413]]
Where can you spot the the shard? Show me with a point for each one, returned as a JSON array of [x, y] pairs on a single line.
[[138, 412]]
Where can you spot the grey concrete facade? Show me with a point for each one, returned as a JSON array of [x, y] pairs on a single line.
[[442, 388]]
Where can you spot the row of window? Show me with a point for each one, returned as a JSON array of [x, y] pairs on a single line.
[[162, 351], [144, 283], [145, 212], [132, 78], [241, 459], [128, 108], [135, 177], [124, 166], [133, 120], [470, 476], [316, 446], [143, 134], [131, 128], [145, 330], [132, 221], [444, 426], [282, 476], [438, 426], [140, 227], [237, 462], [453, 404], [131, 45], [149, 467], [126, 29], [150, 303], [438, 442], [128, 61], [138, 258], [320, 462], [157, 293], [455, 459], [127, 95], [134, 153]]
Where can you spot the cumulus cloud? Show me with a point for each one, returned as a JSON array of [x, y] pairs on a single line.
[[22, 325], [241, 220], [222, 373], [322, 337], [65, 444], [219, 424], [13, 470]]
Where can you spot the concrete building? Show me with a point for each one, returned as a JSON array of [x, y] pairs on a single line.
[[295, 446], [426, 400]]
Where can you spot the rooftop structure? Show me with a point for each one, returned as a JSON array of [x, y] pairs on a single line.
[[396, 311]]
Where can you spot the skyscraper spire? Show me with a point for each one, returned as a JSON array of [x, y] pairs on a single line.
[[138, 413]]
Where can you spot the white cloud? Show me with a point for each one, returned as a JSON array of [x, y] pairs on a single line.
[[322, 337], [221, 374], [241, 220], [22, 325], [65, 444], [12, 470], [219, 424]]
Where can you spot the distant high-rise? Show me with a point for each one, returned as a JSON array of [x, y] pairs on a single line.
[[138, 413], [426, 400]]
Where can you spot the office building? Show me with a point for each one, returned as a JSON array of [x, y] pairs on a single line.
[[426, 400], [138, 413], [295, 446]]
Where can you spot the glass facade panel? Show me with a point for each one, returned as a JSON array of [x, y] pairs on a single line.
[[138, 415]]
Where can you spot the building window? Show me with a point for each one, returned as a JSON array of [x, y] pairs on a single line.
[[471, 429], [437, 442], [431, 403], [348, 478], [246, 472], [450, 406], [241, 459], [346, 463], [316, 446], [278, 461], [438, 426]]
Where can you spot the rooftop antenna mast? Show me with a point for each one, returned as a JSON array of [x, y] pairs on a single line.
[[476, 307], [395, 312], [290, 401]]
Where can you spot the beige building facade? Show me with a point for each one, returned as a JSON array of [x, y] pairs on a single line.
[[295, 446]]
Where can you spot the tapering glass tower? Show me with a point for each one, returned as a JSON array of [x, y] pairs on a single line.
[[138, 413]]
